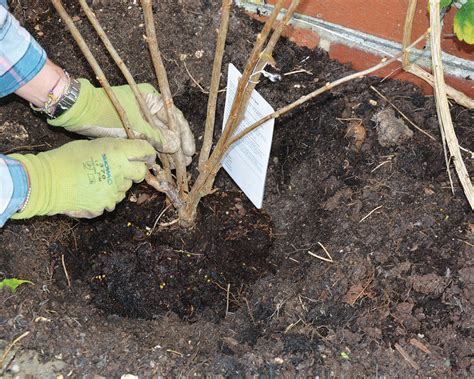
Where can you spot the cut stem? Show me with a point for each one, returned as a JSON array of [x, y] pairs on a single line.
[[181, 175], [126, 73], [442, 106], [215, 81], [414, 69], [321, 90], [160, 182]]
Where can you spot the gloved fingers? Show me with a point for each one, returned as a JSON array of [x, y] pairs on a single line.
[[135, 172], [137, 150], [163, 139], [188, 145], [147, 88], [155, 103], [85, 213], [111, 206], [98, 132]]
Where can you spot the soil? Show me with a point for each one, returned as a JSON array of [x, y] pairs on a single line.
[[249, 292]]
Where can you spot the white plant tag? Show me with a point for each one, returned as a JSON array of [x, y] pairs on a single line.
[[247, 160]]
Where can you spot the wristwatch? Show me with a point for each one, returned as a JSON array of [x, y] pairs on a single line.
[[67, 100], [55, 107]]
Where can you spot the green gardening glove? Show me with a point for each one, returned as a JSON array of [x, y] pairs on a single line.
[[82, 178], [93, 115]]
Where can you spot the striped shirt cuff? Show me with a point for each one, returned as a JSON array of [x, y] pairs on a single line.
[[21, 57], [13, 187]]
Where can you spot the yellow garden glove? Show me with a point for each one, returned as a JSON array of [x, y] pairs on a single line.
[[93, 115], [82, 178]]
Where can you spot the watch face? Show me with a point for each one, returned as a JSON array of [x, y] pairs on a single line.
[[67, 99]]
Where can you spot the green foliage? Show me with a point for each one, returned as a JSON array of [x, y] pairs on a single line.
[[464, 23], [445, 3], [13, 283], [344, 355]]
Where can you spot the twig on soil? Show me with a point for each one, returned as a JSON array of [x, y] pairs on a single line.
[[384, 62], [407, 357], [420, 345], [65, 271], [174, 352], [402, 114], [26, 148], [326, 259], [300, 71], [158, 219], [181, 175], [442, 106], [10, 346], [414, 69], [194, 80], [250, 311], [368, 214], [227, 300], [215, 80]]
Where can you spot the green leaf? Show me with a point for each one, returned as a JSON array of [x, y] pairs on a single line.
[[344, 355], [464, 23], [13, 283], [444, 3]]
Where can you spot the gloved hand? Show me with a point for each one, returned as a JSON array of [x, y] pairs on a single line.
[[82, 178], [93, 115]]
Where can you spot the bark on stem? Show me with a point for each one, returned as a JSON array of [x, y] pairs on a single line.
[[407, 31], [126, 73], [265, 57], [414, 69], [215, 81], [159, 182], [232, 121], [205, 179], [181, 174], [319, 91], [442, 105]]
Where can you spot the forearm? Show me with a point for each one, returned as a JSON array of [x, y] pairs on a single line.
[[51, 79]]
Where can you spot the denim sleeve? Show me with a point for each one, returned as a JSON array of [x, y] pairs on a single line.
[[21, 57], [14, 187]]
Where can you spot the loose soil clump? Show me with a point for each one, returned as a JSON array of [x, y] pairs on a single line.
[[396, 300]]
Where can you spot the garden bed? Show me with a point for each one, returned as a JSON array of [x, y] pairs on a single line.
[[241, 293]]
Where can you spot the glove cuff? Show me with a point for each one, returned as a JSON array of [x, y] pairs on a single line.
[[39, 175], [73, 115]]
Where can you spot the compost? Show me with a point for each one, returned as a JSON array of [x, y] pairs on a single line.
[[246, 291]]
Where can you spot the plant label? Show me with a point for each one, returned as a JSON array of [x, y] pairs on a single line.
[[247, 160]]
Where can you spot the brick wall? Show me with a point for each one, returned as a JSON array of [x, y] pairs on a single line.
[[383, 19]]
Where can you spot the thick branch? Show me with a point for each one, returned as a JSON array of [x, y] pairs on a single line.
[[321, 90], [237, 105], [266, 57], [160, 70], [407, 31], [215, 80], [458, 96], [160, 182], [442, 105], [126, 73], [412, 68]]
